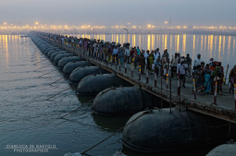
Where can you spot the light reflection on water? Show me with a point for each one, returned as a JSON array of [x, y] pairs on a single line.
[[26, 117]]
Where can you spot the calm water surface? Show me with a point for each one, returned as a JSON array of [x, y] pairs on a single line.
[[27, 118]]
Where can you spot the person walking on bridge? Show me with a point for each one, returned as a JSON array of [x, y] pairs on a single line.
[[174, 63], [127, 54], [189, 64], [197, 61], [142, 62], [181, 71], [232, 79]]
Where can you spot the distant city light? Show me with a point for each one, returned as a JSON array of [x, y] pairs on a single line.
[[166, 22], [36, 23], [5, 23]]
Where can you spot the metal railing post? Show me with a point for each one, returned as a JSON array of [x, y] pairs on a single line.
[[215, 95], [132, 69], [125, 66], [119, 65], [155, 77], [170, 94], [167, 81], [115, 63], [178, 85], [147, 80], [194, 88], [235, 96]]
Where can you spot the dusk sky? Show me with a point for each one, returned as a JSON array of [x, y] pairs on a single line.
[[111, 12]]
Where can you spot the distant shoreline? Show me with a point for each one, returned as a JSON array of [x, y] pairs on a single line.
[[148, 33]]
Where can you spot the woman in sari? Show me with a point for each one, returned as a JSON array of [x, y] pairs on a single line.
[[150, 62], [207, 76]]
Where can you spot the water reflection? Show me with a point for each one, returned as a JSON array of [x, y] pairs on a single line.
[[5, 48], [139, 39], [153, 42], [170, 42], [223, 45], [184, 44], [165, 42], [202, 42], [194, 42], [233, 45], [134, 40], [148, 43], [177, 44]]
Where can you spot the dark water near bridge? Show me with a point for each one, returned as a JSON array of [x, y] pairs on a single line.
[[27, 118]]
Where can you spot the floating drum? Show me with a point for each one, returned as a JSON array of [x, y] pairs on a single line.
[[68, 59], [121, 101], [93, 84], [223, 150], [69, 67], [161, 131], [80, 72], [55, 54], [60, 56], [52, 52]]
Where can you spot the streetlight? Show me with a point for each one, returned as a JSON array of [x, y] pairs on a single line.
[[75, 30], [128, 25], [93, 32], [127, 33]]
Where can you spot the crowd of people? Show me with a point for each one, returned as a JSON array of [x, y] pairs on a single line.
[[175, 66]]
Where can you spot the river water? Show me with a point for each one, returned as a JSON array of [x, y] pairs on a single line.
[[27, 118]]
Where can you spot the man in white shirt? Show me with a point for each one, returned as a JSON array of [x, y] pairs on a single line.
[[127, 54], [146, 56], [115, 53], [181, 71], [174, 63], [197, 61], [62, 40], [156, 56]]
